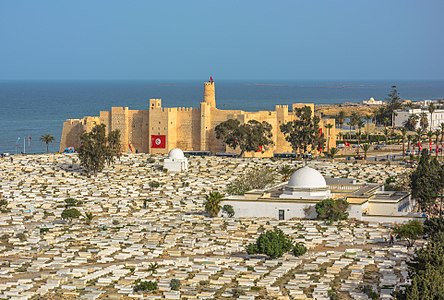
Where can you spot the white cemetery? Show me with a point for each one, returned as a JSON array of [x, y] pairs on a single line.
[[43, 255]]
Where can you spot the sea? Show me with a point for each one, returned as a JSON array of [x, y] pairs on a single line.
[[29, 109]]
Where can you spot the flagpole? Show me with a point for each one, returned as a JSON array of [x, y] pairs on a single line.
[[24, 145]]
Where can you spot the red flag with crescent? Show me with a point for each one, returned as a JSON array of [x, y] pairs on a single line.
[[158, 141]]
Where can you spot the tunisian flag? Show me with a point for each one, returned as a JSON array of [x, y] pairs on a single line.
[[158, 141]]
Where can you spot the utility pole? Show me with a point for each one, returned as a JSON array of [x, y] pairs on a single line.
[[24, 145]]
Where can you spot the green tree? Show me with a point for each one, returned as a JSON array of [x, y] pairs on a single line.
[[303, 133], [96, 149], [250, 137], [273, 243], [426, 270], [332, 210], [426, 181], [212, 203], [71, 202], [385, 113], [47, 139], [70, 214], [113, 147], [410, 231], [433, 226], [229, 210]]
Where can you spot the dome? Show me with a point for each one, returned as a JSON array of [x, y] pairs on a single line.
[[307, 177], [176, 153]]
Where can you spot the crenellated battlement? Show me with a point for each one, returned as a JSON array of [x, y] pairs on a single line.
[[176, 109], [183, 127]]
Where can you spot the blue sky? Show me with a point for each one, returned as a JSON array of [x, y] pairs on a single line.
[[230, 39]]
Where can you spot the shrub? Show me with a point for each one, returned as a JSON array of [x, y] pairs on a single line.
[[3, 205], [154, 184], [70, 202], [44, 230], [175, 284], [143, 286], [332, 210], [273, 243], [228, 209], [70, 213], [368, 290], [253, 179], [299, 249], [21, 236]]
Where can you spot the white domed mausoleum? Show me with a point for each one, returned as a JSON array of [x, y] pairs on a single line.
[[306, 187], [306, 183], [176, 161]]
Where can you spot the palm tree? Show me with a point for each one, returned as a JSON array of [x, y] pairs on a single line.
[[212, 203], [152, 267], [333, 152], [403, 135], [329, 127], [437, 135], [430, 136], [360, 125], [423, 121], [286, 171], [441, 126], [409, 140], [418, 138], [411, 122], [89, 217], [47, 139], [340, 118], [365, 148], [431, 109], [386, 132]]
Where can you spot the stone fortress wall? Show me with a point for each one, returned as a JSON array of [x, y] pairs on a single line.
[[183, 127]]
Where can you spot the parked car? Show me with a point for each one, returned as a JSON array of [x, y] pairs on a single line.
[[5, 154], [379, 147], [408, 152], [340, 146]]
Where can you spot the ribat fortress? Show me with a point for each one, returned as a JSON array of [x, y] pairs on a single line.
[[158, 130]]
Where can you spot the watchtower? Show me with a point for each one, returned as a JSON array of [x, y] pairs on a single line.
[[210, 93]]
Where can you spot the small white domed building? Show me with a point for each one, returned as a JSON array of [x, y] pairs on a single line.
[[176, 161], [306, 183], [306, 187]]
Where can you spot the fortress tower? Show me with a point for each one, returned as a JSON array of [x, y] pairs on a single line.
[[159, 129], [210, 93]]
